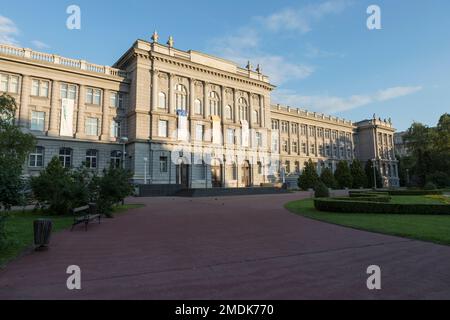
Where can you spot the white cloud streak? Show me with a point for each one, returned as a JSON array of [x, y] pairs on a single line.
[[39, 44], [8, 31], [333, 104]]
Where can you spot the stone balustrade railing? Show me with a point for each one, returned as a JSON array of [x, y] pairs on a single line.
[[66, 62]]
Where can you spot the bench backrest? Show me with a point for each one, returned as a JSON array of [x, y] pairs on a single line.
[[80, 209]]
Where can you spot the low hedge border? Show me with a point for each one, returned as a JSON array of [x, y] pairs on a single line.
[[415, 192], [352, 206]]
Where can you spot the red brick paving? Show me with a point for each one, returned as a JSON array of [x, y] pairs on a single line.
[[227, 248]]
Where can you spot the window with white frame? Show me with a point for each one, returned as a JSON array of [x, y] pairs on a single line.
[[180, 97], [37, 122], [304, 150], [284, 126], [199, 132], [116, 159], [91, 159], [259, 141], [214, 102], [93, 96], [163, 128], [40, 88], [230, 136], [115, 129], [68, 91], [162, 102], [312, 149], [198, 107], [243, 108], [294, 128], [65, 157], [303, 129], [274, 124], [163, 164], [9, 83], [285, 146], [36, 158], [294, 147], [116, 100], [91, 126]]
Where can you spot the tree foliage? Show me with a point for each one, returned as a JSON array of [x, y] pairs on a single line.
[[343, 175], [369, 174], [359, 178], [15, 146], [309, 176], [328, 179]]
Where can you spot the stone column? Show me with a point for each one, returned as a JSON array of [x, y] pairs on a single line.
[[80, 114], [54, 110], [236, 108], [155, 93], [105, 117], [250, 110], [24, 101], [222, 103], [205, 99], [171, 106], [191, 97]]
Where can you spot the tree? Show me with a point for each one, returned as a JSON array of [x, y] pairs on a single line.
[[369, 174], [309, 176], [359, 178], [342, 175], [327, 178], [15, 146]]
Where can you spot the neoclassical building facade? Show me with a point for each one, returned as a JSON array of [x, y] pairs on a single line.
[[177, 117]]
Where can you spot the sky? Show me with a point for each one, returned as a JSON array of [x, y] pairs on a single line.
[[319, 54]]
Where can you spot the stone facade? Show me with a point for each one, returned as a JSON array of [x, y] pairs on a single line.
[[188, 118]]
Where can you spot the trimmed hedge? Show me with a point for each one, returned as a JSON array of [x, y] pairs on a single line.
[[414, 192], [368, 196], [352, 206]]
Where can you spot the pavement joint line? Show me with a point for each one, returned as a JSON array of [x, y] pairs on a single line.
[[212, 266]]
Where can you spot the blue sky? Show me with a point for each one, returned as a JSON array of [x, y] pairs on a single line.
[[319, 54]]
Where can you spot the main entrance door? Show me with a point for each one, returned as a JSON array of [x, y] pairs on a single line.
[[216, 174], [183, 175], [246, 174]]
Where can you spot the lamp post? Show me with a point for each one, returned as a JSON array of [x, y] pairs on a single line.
[[374, 166], [145, 170], [123, 140]]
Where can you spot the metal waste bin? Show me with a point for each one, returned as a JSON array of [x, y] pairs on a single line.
[[42, 232]]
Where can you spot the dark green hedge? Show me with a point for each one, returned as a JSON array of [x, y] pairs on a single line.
[[351, 206], [414, 192], [368, 196]]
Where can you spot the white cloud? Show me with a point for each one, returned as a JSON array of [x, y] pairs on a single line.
[[301, 19], [8, 31], [39, 44], [333, 104]]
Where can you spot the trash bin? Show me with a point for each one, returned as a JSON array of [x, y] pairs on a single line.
[[42, 232]]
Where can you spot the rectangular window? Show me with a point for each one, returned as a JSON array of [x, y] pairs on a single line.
[[65, 156], [304, 148], [162, 128], [259, 140], [294, 147], [36, 158], [303, 130], [9, 83], [113, 100], [93, 96], [163, 164], [274, 124], [68, 91], [285, 145], [230, 136], [91, 159], [115, 129], [37, 122], [91, 127], [199, 129], [40, 88], [312, 149]]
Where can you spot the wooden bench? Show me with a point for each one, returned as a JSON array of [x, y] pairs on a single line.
[[85, 214]]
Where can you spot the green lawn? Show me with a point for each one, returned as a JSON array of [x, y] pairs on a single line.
[[19, 228], [433, 228], [414, 200]]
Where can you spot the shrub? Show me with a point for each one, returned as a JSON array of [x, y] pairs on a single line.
[[359, 178], [440, 179], [327, 178], [321, 190], [3, 236], [309, 177], [351, 206], [343, 175], [430, 186], [414, 192]]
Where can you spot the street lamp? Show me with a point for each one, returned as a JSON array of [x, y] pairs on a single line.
[[374, 166], [145, 170], [123, 140]]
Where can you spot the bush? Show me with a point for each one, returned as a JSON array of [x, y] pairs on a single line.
[[3, 236], [343, 175], [321, 190], [430, 186], [414, 192], [440, 179], [359, 178], [351, 206], [309, 177], [327, 178]]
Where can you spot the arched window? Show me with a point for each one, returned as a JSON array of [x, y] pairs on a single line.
[[198, 107], [243, 109], [162, 100], [214, 102], [180, 97], [228, 113]]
